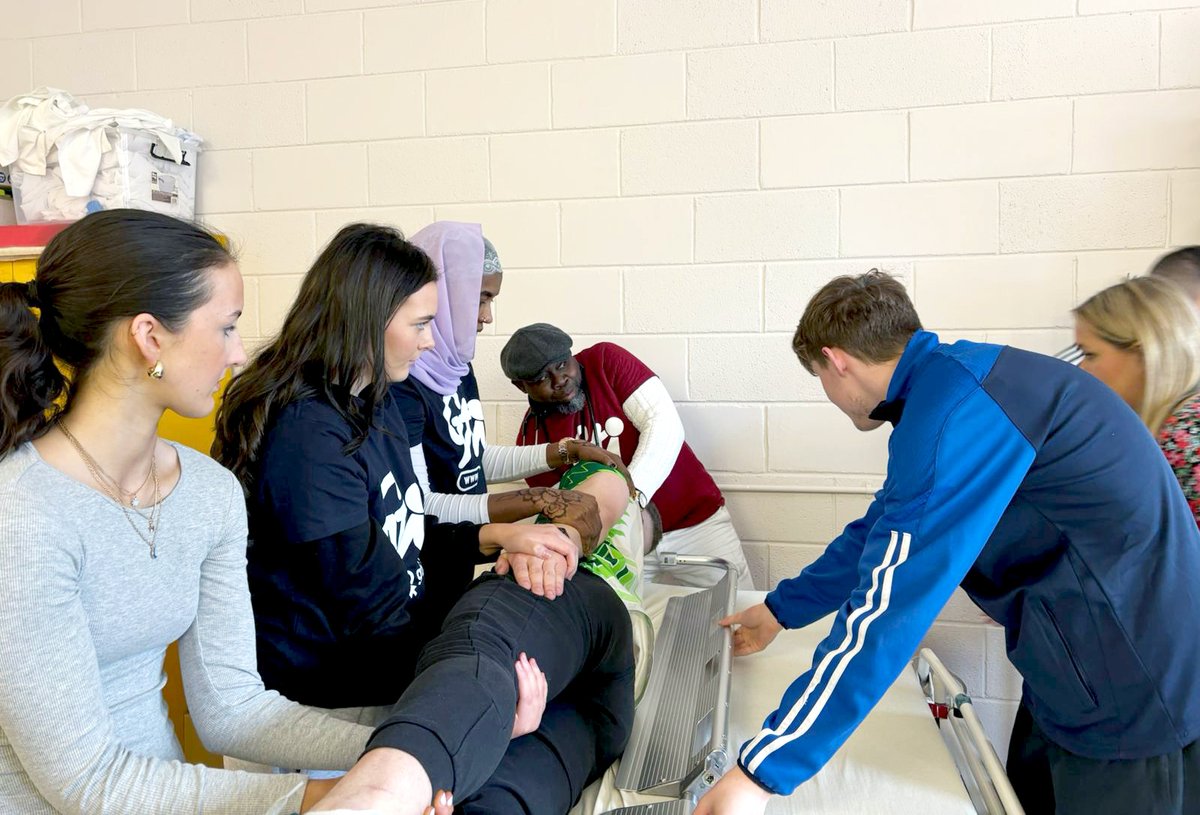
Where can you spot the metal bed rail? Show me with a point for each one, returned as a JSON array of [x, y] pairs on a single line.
[[981, 770]]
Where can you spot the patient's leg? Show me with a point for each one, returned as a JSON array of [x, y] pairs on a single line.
[[602, 482], [456, 717]]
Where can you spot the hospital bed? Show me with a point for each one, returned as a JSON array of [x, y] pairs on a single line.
[[898, 761]]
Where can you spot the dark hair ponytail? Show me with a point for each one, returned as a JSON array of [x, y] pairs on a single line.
[[30, 382], [106, 267], [334, 329]]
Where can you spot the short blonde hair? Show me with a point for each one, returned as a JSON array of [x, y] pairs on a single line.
[[1154, 317]]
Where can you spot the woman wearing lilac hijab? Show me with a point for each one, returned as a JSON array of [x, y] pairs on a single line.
[[441, 406]]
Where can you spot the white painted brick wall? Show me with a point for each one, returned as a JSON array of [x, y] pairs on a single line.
[[1178, 66], [1083, 212], [98, 15], [189, 56], [250, 115], [1136, 131], [680, 176], [836, 148], [618, 90], [766, 225], [493, 99], [663, 25], [944, 13], [519, 30], [919, 219], [87, 63], [22, 20], [760, 80], [365, 108], [1083, 55], [789, 20], [923, 68], [992, 139], [692, 157], [554, 165]]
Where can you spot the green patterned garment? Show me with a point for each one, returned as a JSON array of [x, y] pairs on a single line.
[[610, 560]]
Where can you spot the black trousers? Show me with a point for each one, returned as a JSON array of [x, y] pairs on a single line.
[[457, 714], [1052, 781]]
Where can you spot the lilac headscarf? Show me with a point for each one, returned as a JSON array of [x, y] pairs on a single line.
[[457, 252]]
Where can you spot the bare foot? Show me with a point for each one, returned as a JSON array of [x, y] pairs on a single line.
[[384, 780]]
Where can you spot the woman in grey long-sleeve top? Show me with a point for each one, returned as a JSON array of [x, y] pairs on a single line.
[[114, 543]]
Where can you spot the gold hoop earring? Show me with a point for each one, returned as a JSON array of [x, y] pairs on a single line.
[[157, 371]]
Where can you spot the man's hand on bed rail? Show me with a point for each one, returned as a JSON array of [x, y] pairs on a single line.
[[735, 794], [756, 628]]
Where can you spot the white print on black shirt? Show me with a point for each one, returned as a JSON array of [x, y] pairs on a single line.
[[608, 436], [406, 526], [464, 420]]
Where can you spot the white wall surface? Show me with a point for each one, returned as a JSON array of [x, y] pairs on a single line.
[[681, 175]]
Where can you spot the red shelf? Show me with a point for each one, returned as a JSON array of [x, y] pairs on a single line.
[[30, 234]]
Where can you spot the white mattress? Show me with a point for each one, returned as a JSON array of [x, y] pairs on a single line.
[[895, 762]]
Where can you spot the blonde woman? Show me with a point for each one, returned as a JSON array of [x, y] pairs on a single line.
[[1142, 339]]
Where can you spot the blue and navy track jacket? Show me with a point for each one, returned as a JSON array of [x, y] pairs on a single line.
[[1035, 487]]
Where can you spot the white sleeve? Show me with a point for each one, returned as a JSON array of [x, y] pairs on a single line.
[[511, 462], [654, 415], [447, 508]]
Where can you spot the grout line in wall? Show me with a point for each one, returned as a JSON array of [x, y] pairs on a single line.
[[999, 248], [1071, 152], [695, 207], [425, 104], [1170, 198], [758, 22], [991, 62], [616, 26], [137, 74], [833, 77], [1075, 281], [758, 146], [1160, 50], [908, 138], [621, 299], [838, 226], [488, 143], [762, 298], [912, 13]]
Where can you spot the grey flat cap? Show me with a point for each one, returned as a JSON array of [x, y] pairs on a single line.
[[530, 349]]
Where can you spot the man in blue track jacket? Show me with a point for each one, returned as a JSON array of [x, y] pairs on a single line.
[[1038, 490]]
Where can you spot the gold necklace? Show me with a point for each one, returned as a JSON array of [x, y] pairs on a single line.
[[103, 479]]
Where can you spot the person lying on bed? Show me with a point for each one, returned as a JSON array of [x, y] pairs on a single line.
[[1031, 484], [350, 578]]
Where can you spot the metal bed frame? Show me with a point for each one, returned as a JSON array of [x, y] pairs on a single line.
[[980, 768]]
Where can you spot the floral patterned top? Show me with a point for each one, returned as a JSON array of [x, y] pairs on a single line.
[[1179, 439]]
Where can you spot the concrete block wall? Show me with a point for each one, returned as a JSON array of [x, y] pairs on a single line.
[[681, 175]]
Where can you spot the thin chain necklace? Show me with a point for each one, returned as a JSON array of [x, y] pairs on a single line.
[[107, 483]]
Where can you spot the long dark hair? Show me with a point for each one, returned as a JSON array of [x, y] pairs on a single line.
[[106, 267], [334, 330]]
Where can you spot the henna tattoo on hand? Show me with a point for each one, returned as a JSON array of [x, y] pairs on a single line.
[[574, 509]]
